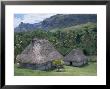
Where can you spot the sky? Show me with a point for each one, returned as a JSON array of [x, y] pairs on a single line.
[[30, 18]]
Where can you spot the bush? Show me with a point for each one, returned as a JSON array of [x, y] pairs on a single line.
[[92, 58], [58, 63]]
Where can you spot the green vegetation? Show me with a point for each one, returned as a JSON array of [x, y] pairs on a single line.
[[92, 58], [89, 25], [82, 36], [65, 33], [59, 64], [88, 70]]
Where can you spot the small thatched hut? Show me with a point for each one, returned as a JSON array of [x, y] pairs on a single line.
[[75, 58], [39, 54]]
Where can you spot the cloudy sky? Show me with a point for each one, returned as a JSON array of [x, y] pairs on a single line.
[[29, 18]]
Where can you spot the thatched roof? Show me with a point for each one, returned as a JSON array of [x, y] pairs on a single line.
[[76, 55], [38, 51]]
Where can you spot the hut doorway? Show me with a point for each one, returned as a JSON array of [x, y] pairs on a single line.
[[70, 63]]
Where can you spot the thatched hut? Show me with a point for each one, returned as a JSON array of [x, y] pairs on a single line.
[[39, 54], [75, 58]]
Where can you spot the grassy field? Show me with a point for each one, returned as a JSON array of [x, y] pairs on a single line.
[[88, 70]]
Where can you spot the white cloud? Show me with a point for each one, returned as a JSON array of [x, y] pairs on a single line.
[[16, 21], [31, 18]]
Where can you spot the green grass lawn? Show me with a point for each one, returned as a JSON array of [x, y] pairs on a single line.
[[88, 70]]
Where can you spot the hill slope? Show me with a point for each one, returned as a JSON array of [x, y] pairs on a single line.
[[89, 25]]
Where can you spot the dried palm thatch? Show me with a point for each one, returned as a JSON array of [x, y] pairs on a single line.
[[76, 58], [38, 51]]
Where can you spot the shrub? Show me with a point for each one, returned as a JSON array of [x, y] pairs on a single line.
[[58, 63], [92, 58]]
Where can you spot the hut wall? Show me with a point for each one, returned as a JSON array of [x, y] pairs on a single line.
[[78, 64], [40, 67], [44, 66], [26, 65], [67, 63], [48, 65]]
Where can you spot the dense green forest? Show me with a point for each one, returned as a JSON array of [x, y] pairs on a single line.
[[82, 36]]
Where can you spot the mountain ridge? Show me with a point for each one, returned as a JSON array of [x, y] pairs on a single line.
[[57, 21]]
